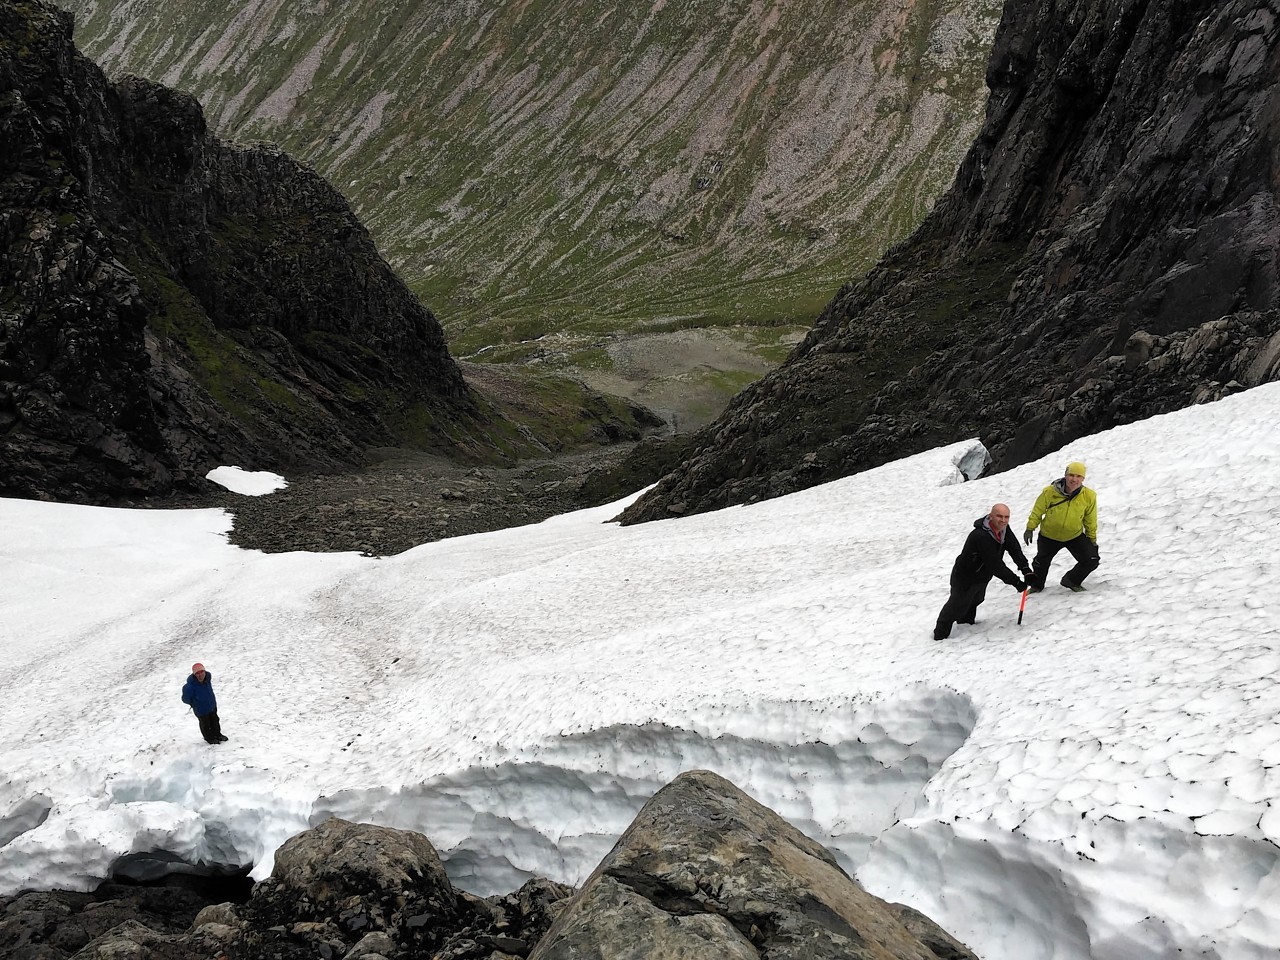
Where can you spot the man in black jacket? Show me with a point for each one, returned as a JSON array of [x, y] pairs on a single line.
[[981, 559]]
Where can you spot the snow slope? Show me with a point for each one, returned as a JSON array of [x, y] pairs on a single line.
[[1101, 782]]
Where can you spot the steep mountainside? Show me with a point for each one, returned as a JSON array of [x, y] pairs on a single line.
[[169, 301], [588, 165], [1110, 250]]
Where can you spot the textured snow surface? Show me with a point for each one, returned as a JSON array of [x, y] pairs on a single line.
[[1101, 782]]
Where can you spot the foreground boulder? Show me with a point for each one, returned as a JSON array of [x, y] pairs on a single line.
[[345, 879], [704, 871], [355, 890], [1110, 250]]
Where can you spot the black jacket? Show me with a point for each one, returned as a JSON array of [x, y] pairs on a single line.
[[983, 558]]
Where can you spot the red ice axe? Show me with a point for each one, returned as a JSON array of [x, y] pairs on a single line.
[[1022, 607]]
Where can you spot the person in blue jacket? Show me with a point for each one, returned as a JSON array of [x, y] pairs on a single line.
[[197, 693]]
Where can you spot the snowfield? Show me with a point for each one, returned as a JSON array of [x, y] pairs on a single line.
[[1102, 782], [249, 483]]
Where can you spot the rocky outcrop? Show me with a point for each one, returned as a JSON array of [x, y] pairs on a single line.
[[704, 871], [53, 926], [340, 889], [170, 301], [390, 907], [1109, 251]]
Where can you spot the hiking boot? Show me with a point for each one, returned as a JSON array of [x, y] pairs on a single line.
[[1073, 587]]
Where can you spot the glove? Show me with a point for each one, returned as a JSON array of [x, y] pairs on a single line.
[[1020, 586], [1026, 537]]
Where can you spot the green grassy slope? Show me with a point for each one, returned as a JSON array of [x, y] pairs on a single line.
[[580, 168]]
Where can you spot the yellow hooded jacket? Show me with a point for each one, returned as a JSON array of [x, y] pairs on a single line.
[[1061, 517]]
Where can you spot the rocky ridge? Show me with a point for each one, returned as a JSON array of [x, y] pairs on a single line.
[[171, 301], [704, 871], [1108, 251]]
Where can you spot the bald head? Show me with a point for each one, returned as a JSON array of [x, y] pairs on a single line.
[[998, 518]]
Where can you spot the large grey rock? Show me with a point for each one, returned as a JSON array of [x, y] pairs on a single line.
[[706, 871]]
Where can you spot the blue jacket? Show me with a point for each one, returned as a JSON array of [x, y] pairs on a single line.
[[199, 696]]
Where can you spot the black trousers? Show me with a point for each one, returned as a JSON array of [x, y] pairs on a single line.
[[210, 727], [961, 606], [1084, 550]]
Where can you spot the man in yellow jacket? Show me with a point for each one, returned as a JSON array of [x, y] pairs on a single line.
[[1067, 514]]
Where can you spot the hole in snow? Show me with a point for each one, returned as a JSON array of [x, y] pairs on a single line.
[[23, 816], [557, 810], [217, 882]]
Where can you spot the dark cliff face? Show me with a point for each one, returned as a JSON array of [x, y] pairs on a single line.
[[169, 302], [1108, 251]]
